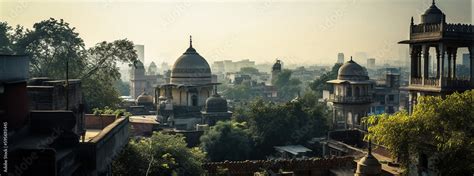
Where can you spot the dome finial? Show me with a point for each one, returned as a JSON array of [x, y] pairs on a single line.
[[190, 41], [351, 58], [434, 3], [370, 147]]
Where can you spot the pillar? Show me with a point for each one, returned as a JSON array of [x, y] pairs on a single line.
[[442, 52], [454, 51], [471, 55], [413, 61], [449, 63], [426, 52], [438, 65], [419, 62]]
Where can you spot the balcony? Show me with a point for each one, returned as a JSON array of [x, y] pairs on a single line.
[[437, 84], [355, 100]]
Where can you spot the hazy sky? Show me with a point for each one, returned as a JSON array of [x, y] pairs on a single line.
[[297, 31]]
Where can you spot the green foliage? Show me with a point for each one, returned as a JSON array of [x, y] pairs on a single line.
[[281, 124], [287, 87], [109, 111], [122, 87], [249, 70], [320, 84], [437, 127], [239, 92], [227, 141], [161, 154], [53, 45]]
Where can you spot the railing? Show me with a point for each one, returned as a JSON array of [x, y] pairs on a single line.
[[435, 82], [462, 28], [344, 99]]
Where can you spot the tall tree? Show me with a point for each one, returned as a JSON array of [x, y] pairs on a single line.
[[442, 128], [161, 154], [287, 87], [5, 38], [227, 141], [320, 84]]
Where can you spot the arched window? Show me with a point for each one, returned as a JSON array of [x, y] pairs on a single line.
[[194, 100], [349, 91]]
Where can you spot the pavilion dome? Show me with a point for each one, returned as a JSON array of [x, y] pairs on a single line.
[[352, 71], [432, 15], [144, 98], [216, 103], [368, 165], [191, 69]]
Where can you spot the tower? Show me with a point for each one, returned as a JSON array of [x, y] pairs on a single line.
[[137, 79], [276, 69], [433, 31], [351, 96], [340, 58]]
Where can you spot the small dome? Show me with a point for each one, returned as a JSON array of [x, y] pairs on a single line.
[[191, 68], [139, 65], [144, 98], [216, 103], [352, 71], [369, 165], [432, 15]]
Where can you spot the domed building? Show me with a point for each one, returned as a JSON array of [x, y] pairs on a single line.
[[182, 99], [368, 165], [215, 109], [433, 15], [352, 96]]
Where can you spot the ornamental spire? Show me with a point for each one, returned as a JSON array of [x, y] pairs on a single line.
[[190, 41], [434, 3]]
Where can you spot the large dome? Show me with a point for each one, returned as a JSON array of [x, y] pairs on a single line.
[[432, 15], [191, 69], [352, 71]]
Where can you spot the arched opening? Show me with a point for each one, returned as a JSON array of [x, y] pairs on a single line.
[[194, 100], [357, 91], [349, 91]]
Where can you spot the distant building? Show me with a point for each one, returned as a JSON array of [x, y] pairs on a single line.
[[141, 82], [387, 94], [466, 59], [140, 52], [276, 69], [231, 66], [371, 63], [340, 58], [351, 96]]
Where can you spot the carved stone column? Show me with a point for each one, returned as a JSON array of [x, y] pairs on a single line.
[[453, 52], [442, 51], [413, 61], [471, 55], [426, 63], [449, 63], [438, 65]]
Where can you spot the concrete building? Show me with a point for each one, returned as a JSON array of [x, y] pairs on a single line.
[[140, 52], [371, 63], [45, 125], [141, 82], [276, 69], [340, 58], [387, 94], [352, 96]]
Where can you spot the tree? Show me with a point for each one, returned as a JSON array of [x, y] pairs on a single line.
[[287, 87], [320, 84], [5, 38], [122, 87], [281, 124], [161, 154], [227, 141], [249, 70], [443, 128]]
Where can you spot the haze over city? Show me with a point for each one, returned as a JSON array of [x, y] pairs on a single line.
[[299, 32]]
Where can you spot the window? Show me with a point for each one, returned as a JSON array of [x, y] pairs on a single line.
[[194, 100], [391, 98]]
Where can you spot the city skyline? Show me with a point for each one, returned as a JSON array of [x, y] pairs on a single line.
[[305, 31]]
